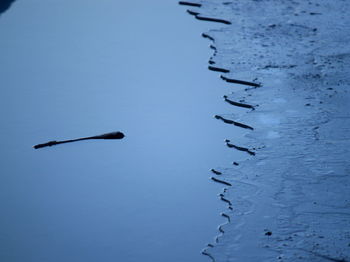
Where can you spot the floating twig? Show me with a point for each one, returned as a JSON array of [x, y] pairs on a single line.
[[189, 4], [218, 69], [226, 216], [234, 103], [241, 82], [208, 36], [215, 172], [113, 135], [192, 12], [222, 197], [221, 181], [239, 148], [231, 122], [211, 19]]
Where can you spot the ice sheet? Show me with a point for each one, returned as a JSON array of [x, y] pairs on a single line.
[[290, 201]]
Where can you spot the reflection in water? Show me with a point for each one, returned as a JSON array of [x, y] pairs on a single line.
[[5, 4]]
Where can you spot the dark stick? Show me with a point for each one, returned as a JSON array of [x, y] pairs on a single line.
[[211, 19], [238, 104], [190, 4], [241, 82], [231, 122], [221, 181], [113, 135], [218, 69]]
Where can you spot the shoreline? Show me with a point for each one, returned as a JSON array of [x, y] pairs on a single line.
[[289, 201]]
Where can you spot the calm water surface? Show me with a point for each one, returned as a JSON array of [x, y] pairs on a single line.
[[78, 68]]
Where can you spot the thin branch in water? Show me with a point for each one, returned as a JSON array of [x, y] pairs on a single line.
[[112, 135]]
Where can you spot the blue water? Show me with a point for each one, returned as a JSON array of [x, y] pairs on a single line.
[[79, 68]]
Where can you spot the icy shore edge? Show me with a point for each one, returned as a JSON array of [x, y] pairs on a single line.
[[289, 200]]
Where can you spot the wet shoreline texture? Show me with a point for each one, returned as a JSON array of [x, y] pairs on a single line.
[[288, 60]]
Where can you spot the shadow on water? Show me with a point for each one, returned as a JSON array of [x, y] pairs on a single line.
[[5, 5]]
